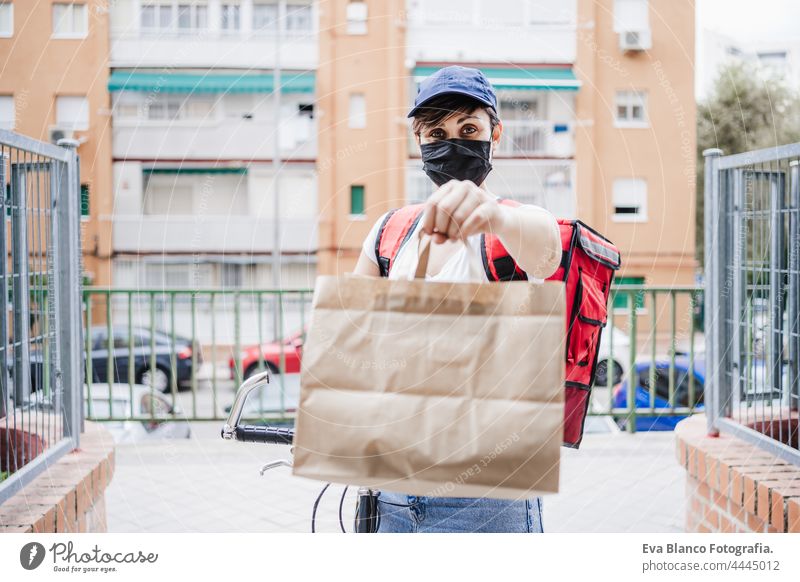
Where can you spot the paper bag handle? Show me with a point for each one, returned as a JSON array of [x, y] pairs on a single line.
[[424, 253]]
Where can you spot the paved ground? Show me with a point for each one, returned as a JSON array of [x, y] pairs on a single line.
[[616, 482]]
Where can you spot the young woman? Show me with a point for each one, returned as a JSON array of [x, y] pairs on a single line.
[[457, 130]]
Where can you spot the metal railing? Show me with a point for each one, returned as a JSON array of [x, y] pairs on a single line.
[[207, 341], [193, 348], [752, 249], [40, 329], [652, 350]]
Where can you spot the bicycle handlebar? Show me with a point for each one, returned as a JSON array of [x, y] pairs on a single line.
[[251, 433], [264, 434]]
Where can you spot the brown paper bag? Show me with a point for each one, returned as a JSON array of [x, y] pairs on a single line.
[[433, 388]]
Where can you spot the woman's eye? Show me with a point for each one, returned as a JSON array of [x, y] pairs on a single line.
[[470, 129], [436, 134]]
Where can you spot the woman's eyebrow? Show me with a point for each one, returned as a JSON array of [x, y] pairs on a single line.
[[441, 123]]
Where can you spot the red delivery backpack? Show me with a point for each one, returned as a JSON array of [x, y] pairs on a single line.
[[588, 262]]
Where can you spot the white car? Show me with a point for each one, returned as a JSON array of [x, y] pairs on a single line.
[[168, 422]]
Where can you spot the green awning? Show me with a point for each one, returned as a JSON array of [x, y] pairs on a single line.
[[196, 170], [291, 82], [534, 78]]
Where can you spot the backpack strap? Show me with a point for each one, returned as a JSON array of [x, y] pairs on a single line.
[[497, 262], [395, 230]]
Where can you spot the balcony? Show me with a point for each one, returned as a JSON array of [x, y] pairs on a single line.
[[227, 139], [141, 233], [205, 48]]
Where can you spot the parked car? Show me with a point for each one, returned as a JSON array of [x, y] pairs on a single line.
[[661, 389], [184, 347], [293, 351], [622, 345], [168, 422], [271, 352]]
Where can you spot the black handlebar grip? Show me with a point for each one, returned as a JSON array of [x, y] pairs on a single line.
[[264, 434]]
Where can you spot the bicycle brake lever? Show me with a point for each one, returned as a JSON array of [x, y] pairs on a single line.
[[275, 464]]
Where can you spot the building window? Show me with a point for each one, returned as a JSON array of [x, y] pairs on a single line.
[[70, 20], [156, 16], [7, 112], [630, 109], [6, 19], [230, 17], [357, 17], [358, 111], [630, 200], [192, 17], [84, 201], [356, 200], [178, 108], [231, 275], [298, 17], [620, 301], [72, 113], [265, 16]]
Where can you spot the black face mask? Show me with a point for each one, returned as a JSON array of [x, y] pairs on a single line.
[[457, 159]]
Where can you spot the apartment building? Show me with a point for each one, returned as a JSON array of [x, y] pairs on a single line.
[[54, 57], [196, 142], [596, 99]]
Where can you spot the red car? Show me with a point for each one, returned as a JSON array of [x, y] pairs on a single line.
[[271, 354]]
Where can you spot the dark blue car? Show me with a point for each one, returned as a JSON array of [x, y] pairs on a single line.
[[680, 396]]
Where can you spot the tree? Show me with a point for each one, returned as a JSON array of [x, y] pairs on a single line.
[[749, 107]]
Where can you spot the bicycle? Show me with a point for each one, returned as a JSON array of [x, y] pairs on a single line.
[[367, 514]]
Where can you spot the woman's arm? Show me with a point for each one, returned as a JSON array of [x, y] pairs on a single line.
[[531, 236], [459, 209], [365, 266]]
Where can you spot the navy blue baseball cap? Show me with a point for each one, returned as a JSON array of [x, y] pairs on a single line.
[[455, 79]]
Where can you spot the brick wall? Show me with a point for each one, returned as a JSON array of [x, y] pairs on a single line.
[[68, 496], [734, 486]]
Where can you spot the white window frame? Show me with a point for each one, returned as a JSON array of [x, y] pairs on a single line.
[[8, 5], [193, 27], [629, 99], [70, 35], [173, 27], [234, 7], [271, 29], [357, 17], [627, 197], [292, 5], [78, 124], [357, 111], [13, 120]]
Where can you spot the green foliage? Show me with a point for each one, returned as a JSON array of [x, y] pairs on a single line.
[[749, 108]]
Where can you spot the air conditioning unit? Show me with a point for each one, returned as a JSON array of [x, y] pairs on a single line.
[[634, 40], [57, 133]]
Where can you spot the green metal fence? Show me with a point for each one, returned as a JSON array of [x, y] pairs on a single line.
[[191, 349]]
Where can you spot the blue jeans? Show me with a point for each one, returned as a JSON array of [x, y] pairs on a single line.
[[458, 514]]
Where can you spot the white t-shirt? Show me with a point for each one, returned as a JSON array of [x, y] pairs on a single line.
[[460, 267]]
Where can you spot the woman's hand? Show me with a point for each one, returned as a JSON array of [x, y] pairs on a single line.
[[459, 209], [530, 233]]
